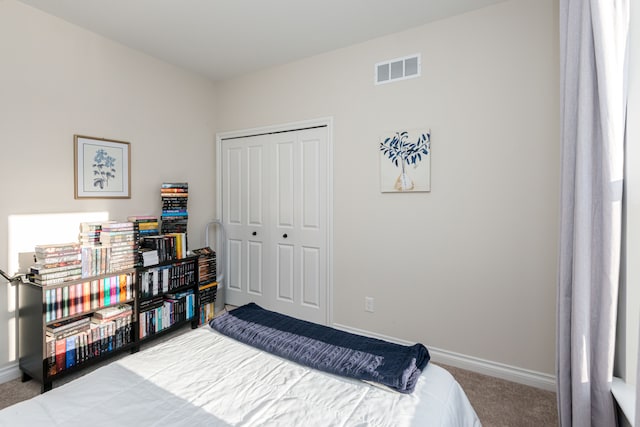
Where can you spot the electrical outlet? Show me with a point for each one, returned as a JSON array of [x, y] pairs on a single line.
[[368, 304]]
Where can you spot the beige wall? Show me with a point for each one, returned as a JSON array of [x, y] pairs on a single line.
[[470, 267], [57, 80]]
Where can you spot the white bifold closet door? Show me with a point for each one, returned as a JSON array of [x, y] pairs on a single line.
[[274, 196]]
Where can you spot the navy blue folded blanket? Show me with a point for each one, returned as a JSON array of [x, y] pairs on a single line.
[[327, 349]]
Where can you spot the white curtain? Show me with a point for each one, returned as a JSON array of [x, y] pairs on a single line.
[[593, 38]]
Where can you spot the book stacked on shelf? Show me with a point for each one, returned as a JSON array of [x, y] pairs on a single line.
[[62, 339], [145, 225], [162, 312], [207, 297], [179, 306], [74, 341], [78, 298], [206, 264], [168, 246], [56, 263], [120, 318], [179, 244], [157, 280], [174, 207], [121, 241], [148, 257], [90, 233], [95, 257], [207, 283]]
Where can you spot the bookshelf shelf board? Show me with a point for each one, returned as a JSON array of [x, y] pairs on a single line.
[[82, 280], [104, 356], [86, 313], [171, 328]]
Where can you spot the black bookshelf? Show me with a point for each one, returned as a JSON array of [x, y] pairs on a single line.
[[183, 280], [34, 353], [174, 303]]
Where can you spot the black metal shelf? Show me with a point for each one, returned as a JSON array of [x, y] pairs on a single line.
[[89, 312], [171, 291], [32, 324], [49, 379], [192, 285], [168, 262], [171, 328]]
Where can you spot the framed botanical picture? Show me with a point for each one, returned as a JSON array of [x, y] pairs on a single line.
[[405, 161], [102, 168]]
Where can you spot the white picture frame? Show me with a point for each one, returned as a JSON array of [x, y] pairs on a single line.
[[102, 168]]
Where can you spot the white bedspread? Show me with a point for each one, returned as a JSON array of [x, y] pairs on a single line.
[[202, 378]]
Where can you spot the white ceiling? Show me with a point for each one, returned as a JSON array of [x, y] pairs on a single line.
[[223, 39]]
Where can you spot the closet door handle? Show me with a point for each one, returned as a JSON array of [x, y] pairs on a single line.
[[285, 235], [255, 233]]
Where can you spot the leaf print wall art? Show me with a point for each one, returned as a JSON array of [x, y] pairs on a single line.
[[405, 161], [102, 168]]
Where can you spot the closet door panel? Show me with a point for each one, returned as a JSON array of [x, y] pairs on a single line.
[[234, 270], [285, 183], [234, 186], [310, 176], [284, 273], [255, 190], [254, 268], [310, 277], [244, 218]]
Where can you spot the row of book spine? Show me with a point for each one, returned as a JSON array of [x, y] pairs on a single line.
[[56, 263], [206, 264], [163, 312], [68, 350], [103, 247], [108, 246], [157, 280], [207, 313], [147, 225], [207, 298], [103, 260], [169, 247], [70, 300], [174, 216]]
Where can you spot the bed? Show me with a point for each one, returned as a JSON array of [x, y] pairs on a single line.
[[205, 378]]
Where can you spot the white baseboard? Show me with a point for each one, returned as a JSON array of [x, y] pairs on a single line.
[[474, 364], [470, 363], [9, 372], [494, 369]]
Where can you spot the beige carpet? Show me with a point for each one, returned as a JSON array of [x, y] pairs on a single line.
[[498, 403], [16, 391]]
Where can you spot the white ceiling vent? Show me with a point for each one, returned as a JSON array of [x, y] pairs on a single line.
[[393, 70]]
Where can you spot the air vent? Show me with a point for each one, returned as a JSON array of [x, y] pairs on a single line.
[[393, 70]]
